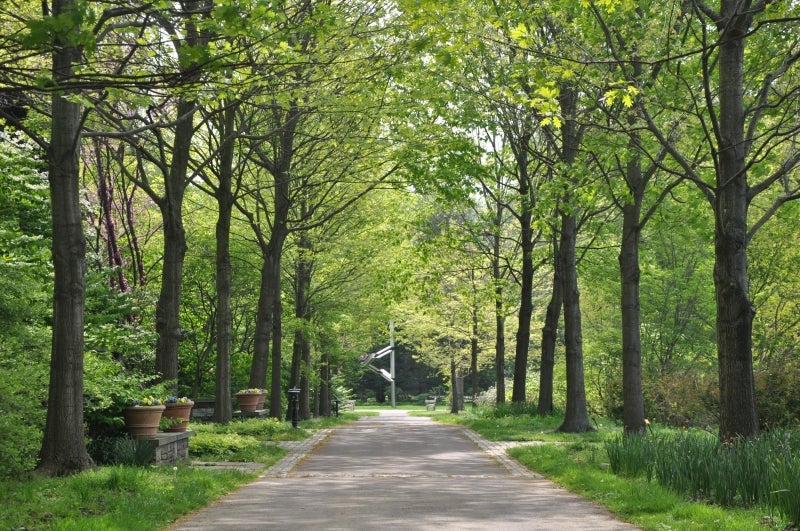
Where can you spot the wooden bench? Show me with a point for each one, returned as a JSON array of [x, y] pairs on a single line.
[[349, 405], [430, 404]]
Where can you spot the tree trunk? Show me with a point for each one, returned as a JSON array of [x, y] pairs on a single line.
[[550, 337], [499, 315], [223, 409], [324, 386], [263, 329], [305, 382], [735, 312], [301, 354], [270, 306], [474, 349], [454, 401], [633, 401], [105, 193], [297, 359], [268, 328], [169, 301], [576, 417], [63, 446], [526, 294]]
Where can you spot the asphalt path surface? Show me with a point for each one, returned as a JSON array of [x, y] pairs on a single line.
[[400, 472]]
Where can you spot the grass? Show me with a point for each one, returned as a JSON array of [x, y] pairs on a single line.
[[110, 498], [580, 463], [149, 497]]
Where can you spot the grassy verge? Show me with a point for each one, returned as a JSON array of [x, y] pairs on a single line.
[[580, 464], [149, 497]]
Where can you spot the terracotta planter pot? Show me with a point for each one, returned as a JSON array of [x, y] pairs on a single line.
[[142, 421], [262, 398], [181, 411], [248, 402]]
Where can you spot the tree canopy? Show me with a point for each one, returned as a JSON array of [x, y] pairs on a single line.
[[585, 203]]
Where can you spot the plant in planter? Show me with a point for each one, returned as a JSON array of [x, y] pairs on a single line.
[[178, 411], [251, 399], [142, 417]]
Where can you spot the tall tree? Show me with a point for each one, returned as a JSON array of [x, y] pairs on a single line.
[[63, 446], [175, 183], [621, 37], [746, 121]]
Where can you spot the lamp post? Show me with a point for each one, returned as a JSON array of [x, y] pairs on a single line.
[[294, 394]]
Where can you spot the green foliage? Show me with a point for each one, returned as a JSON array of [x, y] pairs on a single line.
[[262, 428], [759, 472], [683, 398], [109, 388], [506, 409], [776, 393], [241, 440], [648, 505], [21, 432], [221, 445], [25, 278], [113, 497], [72, 27], [631, 456]]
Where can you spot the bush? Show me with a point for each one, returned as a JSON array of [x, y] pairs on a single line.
[[487, 398], [23, 395], [221, 445], [776, 394], [688, 398], [261, 428]]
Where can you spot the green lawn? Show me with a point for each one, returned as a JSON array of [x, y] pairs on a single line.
[[149, 497]]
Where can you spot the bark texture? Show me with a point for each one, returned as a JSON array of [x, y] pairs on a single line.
[[63, 448], [550, 338], [223, 410], [526, 281], [576, 416], [738, 415]]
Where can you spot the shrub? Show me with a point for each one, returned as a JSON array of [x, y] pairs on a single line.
[[221, 445], [776, 394], [687, 398], [487, 398], [23, 393], [261, 428]]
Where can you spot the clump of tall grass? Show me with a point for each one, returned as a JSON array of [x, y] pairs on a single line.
[[763, 472]]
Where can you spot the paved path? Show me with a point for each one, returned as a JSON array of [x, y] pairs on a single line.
[[400, 472]]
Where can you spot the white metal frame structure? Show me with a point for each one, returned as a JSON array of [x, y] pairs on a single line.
[[367, 360]]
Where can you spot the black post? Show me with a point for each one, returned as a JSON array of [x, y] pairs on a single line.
[[294, 394]]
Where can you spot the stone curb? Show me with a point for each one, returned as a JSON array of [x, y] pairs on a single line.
[[297, 451], [497, 451]]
